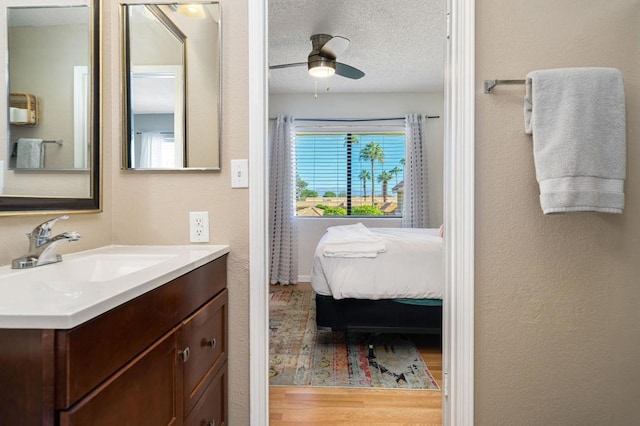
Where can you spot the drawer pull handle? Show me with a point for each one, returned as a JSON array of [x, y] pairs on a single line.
[[211, 423], [184, 354], [209, 342]]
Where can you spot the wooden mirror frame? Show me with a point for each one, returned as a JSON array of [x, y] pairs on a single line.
[[32, 205]]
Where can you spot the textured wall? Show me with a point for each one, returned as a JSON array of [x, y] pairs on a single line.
[[557, 318]]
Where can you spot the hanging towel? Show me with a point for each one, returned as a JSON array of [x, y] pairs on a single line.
[[30, 154], [577, 119]]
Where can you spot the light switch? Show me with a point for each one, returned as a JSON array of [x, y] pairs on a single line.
[[240, 173]]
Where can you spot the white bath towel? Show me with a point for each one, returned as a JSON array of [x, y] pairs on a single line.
[[30, 154], [352, 241], [577, 119]]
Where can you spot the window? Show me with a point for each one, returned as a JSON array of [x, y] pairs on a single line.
[[155, 150], [349, 174]]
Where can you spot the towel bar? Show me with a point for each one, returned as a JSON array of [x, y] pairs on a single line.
[[490, 84], [56, 141]]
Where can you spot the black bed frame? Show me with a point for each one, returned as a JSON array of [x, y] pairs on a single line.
[[376, 316]]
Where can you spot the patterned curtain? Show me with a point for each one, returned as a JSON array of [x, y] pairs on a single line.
[[282, 187], [415, 208]]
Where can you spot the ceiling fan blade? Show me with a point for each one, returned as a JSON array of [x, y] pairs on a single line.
[[335, 46], [348, 71], [296, 64]]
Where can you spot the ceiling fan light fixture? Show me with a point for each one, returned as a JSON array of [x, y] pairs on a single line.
[[322, 72], [320, 67]]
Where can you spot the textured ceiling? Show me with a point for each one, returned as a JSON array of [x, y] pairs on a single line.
[[399, 44]]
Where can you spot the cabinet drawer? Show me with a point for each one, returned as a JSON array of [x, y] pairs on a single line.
[[205, 335], [141, 393], [211, 408]]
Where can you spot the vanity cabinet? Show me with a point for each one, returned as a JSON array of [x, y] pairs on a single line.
[[158, 359]]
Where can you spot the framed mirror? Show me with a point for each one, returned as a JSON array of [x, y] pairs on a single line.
[[51, 155], [172, 96]]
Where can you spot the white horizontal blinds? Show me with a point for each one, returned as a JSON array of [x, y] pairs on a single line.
[[334, 170], [321, 162]]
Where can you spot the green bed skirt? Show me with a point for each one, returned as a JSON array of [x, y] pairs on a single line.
[[420, 302]]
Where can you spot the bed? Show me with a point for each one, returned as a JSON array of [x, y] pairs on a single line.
[[399, 290]]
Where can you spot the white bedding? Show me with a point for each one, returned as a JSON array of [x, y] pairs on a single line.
[[410, 267], [351, 241]]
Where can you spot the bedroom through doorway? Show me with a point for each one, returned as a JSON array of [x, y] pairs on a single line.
[[399, 46]]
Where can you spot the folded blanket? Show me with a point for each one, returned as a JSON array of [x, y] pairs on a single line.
[[577, 119], [352, 241]]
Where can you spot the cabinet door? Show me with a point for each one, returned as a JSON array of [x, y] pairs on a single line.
[[211, 408], [142, 393], [204, 334]]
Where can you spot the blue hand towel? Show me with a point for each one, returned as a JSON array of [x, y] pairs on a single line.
[[577, 119]]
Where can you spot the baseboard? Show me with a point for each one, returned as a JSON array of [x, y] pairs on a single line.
[[304, 278]]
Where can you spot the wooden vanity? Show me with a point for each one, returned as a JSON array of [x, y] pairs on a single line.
[[158, 359]]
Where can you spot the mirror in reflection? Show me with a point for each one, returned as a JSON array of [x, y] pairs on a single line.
[[172, 81]]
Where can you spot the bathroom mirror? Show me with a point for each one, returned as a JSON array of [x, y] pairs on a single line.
[[171, 77], [51, 159]]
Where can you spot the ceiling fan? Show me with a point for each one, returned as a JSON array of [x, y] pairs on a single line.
[[321, 62]]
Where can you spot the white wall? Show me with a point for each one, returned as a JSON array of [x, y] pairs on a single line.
[[375, 105]]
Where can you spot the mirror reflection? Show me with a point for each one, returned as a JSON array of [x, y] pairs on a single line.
[[172, 81], [50, 158]]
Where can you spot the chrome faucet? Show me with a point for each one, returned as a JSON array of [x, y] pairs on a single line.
[[42, 246]]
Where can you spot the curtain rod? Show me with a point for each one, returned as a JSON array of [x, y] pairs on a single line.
[[351, 120]]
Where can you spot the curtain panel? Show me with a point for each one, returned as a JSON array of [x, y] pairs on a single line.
[[282, 221], [415, 208]]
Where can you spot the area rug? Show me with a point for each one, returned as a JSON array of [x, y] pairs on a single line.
[[301, 356]]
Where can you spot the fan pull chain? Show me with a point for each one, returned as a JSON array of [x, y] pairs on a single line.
[[315, 93]]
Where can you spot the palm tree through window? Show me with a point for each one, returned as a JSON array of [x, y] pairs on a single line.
[[349, 174]]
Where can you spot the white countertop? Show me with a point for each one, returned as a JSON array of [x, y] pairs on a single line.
[[88, 283]]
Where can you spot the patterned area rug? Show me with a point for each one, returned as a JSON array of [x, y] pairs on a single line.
[[301, 356]]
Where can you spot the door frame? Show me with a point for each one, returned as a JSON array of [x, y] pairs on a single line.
[[459, 175]]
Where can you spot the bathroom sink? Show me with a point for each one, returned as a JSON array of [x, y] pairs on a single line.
[[89, 283], [97, 267]]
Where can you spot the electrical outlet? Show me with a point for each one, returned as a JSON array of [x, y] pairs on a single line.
[[199, 227]]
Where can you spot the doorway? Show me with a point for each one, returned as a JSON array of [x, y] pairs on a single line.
[[458, 213]]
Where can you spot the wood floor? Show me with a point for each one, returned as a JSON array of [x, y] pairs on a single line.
[[311, 406]]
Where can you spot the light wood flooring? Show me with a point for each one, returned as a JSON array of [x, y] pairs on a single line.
[[311, 406]]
